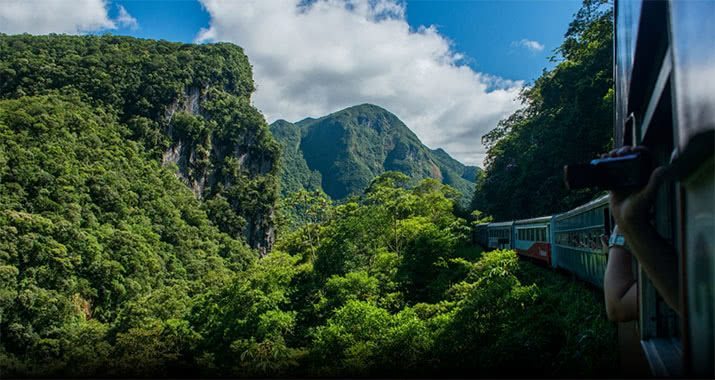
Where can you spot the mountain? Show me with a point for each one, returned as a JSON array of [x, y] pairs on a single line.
[[342, 152], [295, 173], [188, 106]]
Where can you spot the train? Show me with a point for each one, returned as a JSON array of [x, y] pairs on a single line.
[[664, 99], [569, 241]]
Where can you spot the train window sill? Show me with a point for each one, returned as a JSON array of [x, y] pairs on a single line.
[[664, 356]]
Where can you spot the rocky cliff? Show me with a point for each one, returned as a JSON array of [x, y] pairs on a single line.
[[188, 105]]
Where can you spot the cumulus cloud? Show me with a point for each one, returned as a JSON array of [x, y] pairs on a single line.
[[126, 20], [59, 16], [311, 58], [534, 46]]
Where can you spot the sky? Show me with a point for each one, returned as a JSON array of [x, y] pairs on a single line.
[[449, 69]]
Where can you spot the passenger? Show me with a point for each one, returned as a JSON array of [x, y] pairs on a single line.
[[635, 235]]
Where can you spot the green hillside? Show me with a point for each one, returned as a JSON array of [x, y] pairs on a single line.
[[295, 173], [98, 242], [188, 105], [347, 149]]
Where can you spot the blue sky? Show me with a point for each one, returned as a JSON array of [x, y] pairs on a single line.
[[449, 69], [484, 30]]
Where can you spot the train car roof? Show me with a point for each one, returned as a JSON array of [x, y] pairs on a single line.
[[600, 201], [541, 219], [482, 225], [502, 224]]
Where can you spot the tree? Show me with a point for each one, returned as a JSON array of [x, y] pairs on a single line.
[[567, 118]]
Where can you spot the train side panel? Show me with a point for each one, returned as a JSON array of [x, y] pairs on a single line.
[[531, 238], [692, 40], [481, 235], [500, 235], [577, 245]]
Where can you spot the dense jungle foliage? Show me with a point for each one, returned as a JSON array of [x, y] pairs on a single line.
[[136, 184], [383, 284], [187, 104], [100, 247], [567, 118], [342, 152]]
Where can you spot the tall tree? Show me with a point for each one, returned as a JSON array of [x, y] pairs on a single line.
[[567, 118]]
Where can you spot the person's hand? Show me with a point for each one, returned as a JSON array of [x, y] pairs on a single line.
[[604, 242], [630, 209]]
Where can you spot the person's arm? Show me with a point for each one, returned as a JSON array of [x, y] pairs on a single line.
[[657, 257], [619, 287]]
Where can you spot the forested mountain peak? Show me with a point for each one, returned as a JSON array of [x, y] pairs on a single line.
[[343, 151], [364, 115], [188, 105]]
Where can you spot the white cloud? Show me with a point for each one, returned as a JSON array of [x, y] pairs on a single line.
[[313, 58], [59, 16], [534, 46], [126, 20]]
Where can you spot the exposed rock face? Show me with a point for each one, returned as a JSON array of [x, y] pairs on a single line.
[[201, 163], [181, 152]]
